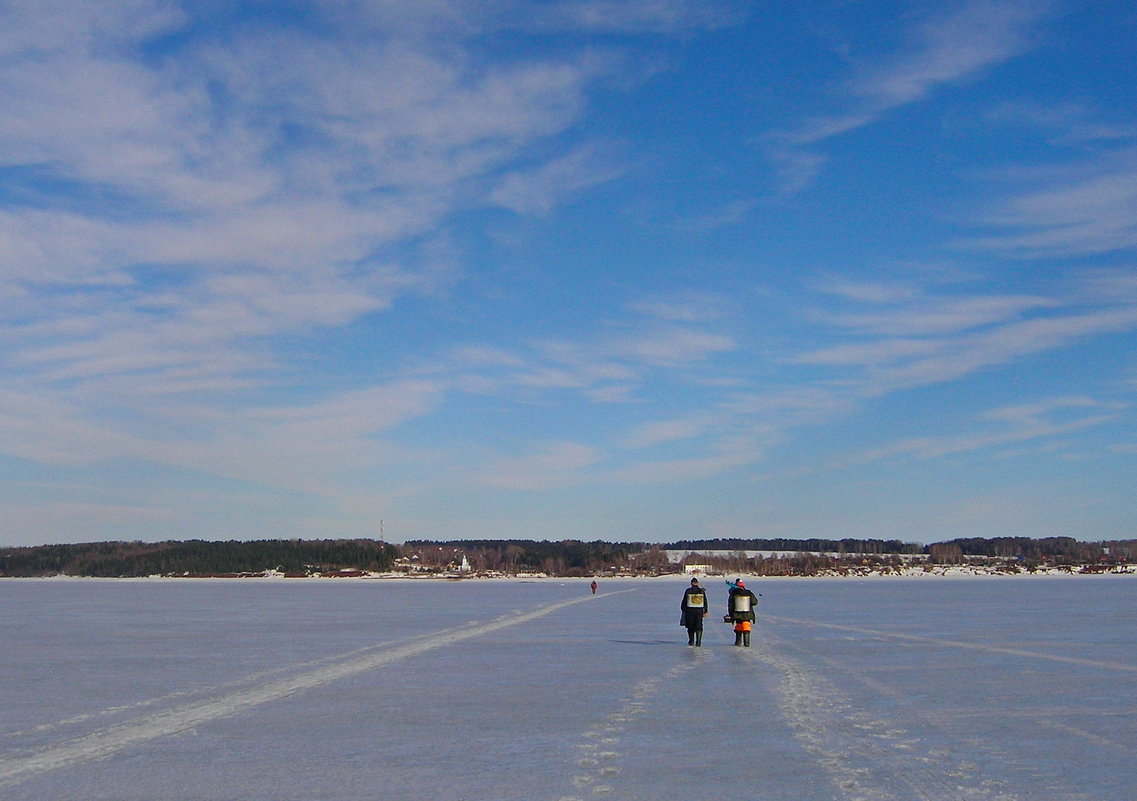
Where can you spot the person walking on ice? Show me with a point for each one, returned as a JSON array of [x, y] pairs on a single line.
[[740, 605], [694, 608]]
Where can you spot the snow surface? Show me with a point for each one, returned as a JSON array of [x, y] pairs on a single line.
[[871, 690]]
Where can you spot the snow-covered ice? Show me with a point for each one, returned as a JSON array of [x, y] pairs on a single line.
[[993, 689]]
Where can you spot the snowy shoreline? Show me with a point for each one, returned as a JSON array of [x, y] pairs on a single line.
[[902, 574]]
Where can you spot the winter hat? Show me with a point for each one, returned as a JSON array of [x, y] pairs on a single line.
[[694, 581], [740, 584]]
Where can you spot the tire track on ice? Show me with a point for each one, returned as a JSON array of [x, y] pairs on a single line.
[[867, 759], [598, 754], [986, 749], [176, 695], [102, 743], [1096, 739], [970, 646]]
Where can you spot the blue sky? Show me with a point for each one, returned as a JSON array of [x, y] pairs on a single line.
[[640, 270]]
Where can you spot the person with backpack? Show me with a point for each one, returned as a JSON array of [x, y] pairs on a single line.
[[740, 611], [694, 608]]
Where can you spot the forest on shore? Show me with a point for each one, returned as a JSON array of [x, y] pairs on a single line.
[[567, 558]]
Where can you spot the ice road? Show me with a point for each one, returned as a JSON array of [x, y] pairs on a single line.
[[999, 689]]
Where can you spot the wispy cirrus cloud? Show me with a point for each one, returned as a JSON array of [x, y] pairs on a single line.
[[666, 431], [1082, 210], [243, 186], [674, 346], [614, 363], [899, 337], [1013, 425], [935, 339], [721, 455], [173, 225], [555, 464], [223, 154], [1065, 123], [927, 316], [536, 191], [892, 364], [950, 46], [685, 306], [262, 254], [659, 16], [311, 447]]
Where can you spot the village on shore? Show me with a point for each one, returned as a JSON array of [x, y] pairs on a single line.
[[970, 570], [929, 571], [528, 559], [979, 567], [452, 563]]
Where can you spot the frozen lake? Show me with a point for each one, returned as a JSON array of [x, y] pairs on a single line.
[[1008, 689]]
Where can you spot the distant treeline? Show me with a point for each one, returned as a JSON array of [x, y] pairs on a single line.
[[197, 557], [1046, 548], [812, 545], [776, 556], [1004, 547], [561, 558]]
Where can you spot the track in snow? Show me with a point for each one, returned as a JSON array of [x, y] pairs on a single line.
[[867, 758], [971, 646], [110, 740]]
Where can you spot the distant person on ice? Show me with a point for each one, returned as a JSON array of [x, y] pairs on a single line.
[[694, 608], [594, 588], [740, 607]]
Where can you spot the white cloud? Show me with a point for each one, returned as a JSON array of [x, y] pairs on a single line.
[[485, 356], [41, 428], [952, 46], [1080, 211], [98, 522], [938, 316], [46, 26], [926, 339], [195, 220], [537, 191], [870, 292], [267, 151], [724, 216], [1068, 123], [877, 353], [1043, 420], [556, 464], [789, 406], [189, 207], [797, 168], [314, 448], [685, 307], [610, 366], [649, 434], [621, 16], [721, 458], [671, 347], [956, 358]]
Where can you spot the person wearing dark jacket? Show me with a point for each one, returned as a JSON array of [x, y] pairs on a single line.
[[694, 609], [740, 607]]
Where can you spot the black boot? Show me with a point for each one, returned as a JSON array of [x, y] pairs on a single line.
[[690, 637], [746, 638], [699, 639], [738, 638]]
